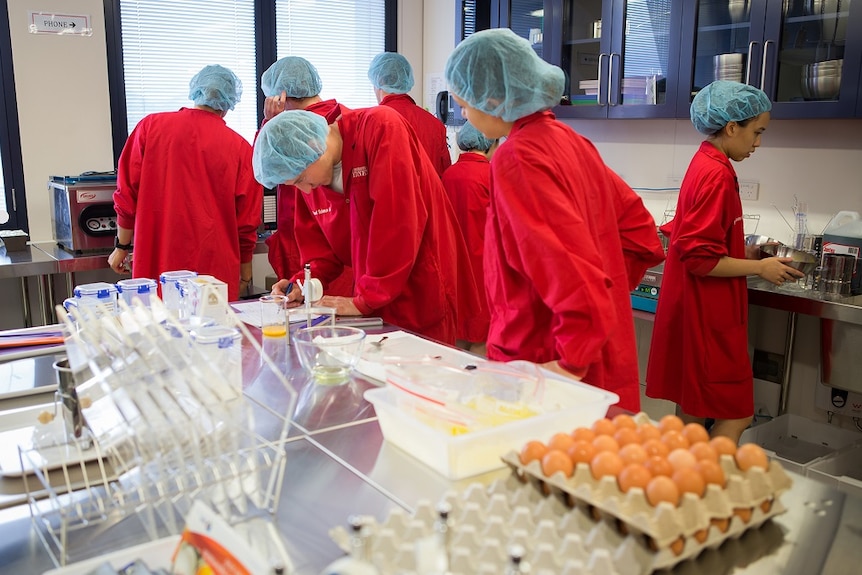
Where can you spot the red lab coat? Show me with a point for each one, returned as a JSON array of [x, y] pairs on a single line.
[[430, 131], [468, 183], [556, 272], [699, 353], [284, 255], [186, 186], [409, 258]]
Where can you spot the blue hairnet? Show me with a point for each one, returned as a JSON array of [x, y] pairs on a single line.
[[391, 73], [292, 75], [287, 145], [498, 72], [469, 138], [722, 102], [215, 86]]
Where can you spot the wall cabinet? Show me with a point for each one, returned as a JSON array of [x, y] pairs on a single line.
[[805, 54], [647, 58]]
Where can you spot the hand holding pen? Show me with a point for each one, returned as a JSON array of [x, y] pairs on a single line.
[[292, 291]]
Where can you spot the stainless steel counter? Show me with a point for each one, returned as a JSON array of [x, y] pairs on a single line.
[[807, 302], [339, 465]]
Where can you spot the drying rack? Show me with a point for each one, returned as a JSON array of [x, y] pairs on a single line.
[[164, 427]]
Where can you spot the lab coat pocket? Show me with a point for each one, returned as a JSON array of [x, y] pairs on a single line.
[[726, 358]]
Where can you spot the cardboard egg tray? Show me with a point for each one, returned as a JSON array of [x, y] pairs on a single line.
[[674, 533], [485, 521]]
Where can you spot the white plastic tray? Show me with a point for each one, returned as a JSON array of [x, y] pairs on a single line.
[[17, 428], [403, 346], [460, 456], [157, 555]]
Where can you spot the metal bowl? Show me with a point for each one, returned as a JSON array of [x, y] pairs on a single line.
[[802, 261], [757, 240], [822, 80]]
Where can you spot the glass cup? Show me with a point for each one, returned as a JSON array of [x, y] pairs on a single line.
[[272, 316]]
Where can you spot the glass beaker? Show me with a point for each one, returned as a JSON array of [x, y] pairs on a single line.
[[273, 321]]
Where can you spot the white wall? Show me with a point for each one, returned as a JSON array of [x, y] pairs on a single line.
[[61, 83]]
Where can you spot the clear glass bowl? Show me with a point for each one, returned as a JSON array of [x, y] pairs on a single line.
[[329, 353]]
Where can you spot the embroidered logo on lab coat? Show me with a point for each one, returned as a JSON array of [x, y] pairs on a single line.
[[321, 211], [360, 172]]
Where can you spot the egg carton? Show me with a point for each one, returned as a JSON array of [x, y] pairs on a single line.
[[748, 500], [485, 522]]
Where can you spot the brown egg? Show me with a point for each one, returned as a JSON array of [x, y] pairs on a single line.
[[670, 423], [703, 450], [674, 440], [626, 436], [661, 488], [633, 475], [656, 447], [721, 522], [633, 453], [581, 451], [678, 546], [606, 443], [531, 451], [723, 445], [561, 441], [658, 465], [751, 455], [695, 433], [701, 535], [554, 461], [743, 513], [604, 426], [606, 463], [624, 421], [711, 472], [584, 433], [766, 506], [680, 458], [689, 480], [648, 431]]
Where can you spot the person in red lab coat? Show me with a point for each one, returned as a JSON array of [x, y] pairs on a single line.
[[186, 191], [292, 83], [566, 239], [409, 258], [699, 352], [392, 77], [468, 184]]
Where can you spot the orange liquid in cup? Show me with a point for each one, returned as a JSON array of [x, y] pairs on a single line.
[[274, 331]]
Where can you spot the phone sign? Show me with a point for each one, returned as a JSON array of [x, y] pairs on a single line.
[[65, 24]]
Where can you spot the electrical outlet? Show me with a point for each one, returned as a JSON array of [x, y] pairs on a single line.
[[749, 191]]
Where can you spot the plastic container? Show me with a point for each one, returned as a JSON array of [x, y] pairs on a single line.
[[95, 296], [843, 235], [171, 293], [798, 442], [568, 404], [842, 469], [222, 346], [140, 288]]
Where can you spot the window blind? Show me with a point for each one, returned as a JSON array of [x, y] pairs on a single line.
[[166, 43], [340, 38]]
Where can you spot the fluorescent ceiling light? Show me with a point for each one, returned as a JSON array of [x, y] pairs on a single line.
[[538, 13]]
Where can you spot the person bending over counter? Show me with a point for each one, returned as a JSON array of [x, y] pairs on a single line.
[[566, 240], [409, 258], [186, 191], [292, 83]]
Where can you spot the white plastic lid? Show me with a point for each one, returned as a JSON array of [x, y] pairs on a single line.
[[101, 290], [137, 285], [166, 277], [216, 334]]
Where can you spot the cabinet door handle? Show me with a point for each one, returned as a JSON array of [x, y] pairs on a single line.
[[599, 81], [611, 77], [751, 45], [763, 64]]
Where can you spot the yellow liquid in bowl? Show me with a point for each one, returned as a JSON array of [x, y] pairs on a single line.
[[274, 331]]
